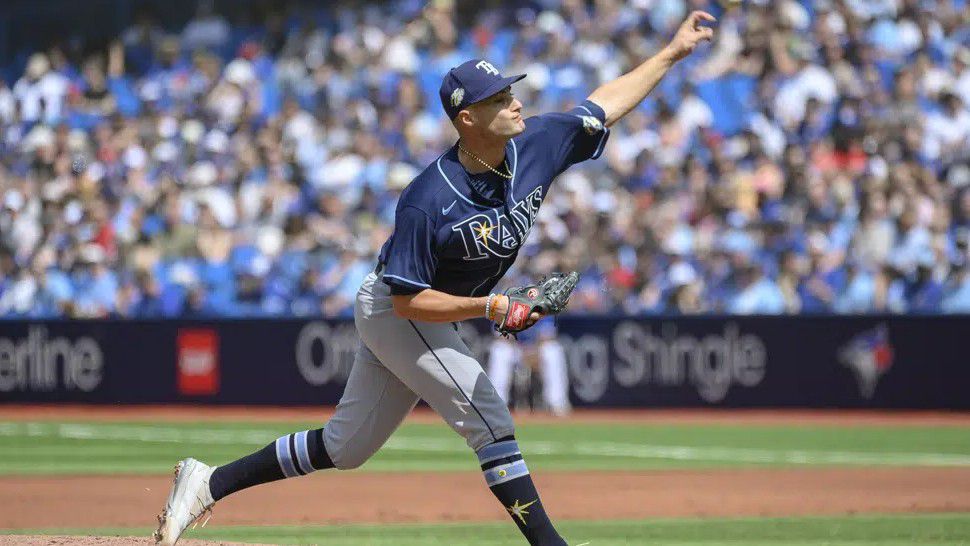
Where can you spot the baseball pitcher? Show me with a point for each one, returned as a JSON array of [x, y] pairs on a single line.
[[458, 228]]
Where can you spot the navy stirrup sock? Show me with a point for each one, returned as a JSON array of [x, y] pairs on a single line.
[[508, 477], [303, 452], [292, 455]]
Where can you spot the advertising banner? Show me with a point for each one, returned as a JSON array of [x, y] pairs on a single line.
[[810, 362]]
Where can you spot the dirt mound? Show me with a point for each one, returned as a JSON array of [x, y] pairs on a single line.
[[26, 540]]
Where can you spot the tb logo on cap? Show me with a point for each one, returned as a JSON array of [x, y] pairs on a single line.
[[488, 67]]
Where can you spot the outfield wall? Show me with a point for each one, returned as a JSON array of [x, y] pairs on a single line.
[[811, 362]]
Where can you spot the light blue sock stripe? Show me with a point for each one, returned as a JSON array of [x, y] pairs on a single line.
[[499, 450], [283, 457], [302, 455], [280, 456], [506, 472]]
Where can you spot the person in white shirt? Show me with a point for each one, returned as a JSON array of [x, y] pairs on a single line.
[[41, 91], [946, 133]]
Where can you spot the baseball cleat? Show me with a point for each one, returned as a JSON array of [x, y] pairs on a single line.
[[188, 501]]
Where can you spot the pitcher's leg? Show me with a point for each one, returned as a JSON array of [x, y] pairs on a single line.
[[434, 362], [507, 476], [373, 405]]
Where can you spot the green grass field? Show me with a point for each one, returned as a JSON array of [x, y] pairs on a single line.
[[143, 447], [59, 448]]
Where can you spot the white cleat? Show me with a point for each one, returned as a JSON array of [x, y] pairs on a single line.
[[188, 501]]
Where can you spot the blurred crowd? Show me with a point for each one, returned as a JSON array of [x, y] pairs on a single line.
[[813, 159]]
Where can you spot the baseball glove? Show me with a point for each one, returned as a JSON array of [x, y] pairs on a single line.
[[548, 297]]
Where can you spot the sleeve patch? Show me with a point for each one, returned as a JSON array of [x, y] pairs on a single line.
[[592, 125]]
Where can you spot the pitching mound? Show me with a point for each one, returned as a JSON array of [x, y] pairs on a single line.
[[24, 540]]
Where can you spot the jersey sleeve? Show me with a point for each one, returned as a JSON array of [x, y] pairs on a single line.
[[411, 261], [576, 135]]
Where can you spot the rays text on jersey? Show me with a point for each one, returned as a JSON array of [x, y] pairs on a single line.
[[494, 233]]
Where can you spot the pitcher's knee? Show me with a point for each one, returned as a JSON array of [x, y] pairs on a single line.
[[344, 455], [350, 462]]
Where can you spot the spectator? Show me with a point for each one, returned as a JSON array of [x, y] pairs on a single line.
[[924, 294], [41, 91], [957, 297], [757, 294], [813, 160]]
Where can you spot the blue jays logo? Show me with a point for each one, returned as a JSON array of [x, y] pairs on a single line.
[[869, 355], [496, 234]]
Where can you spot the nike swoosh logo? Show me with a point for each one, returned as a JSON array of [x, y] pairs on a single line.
[[447, 210]]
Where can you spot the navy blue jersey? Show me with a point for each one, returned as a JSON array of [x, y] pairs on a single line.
[[459, 233]]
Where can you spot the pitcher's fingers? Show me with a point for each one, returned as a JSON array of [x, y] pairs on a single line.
[[697, 16]]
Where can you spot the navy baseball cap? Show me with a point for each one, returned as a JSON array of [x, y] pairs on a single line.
[[470, 82]]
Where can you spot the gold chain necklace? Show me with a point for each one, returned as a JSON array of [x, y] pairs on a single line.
[[489, 167]]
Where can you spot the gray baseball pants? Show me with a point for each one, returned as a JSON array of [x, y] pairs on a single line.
[[398, 362]]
